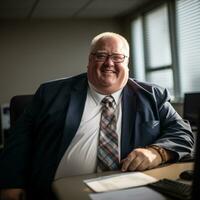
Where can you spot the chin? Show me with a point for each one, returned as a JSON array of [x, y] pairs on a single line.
[[108, 84], [109, 80]]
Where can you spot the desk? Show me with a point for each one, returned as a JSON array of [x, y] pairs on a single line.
[[74, 188]]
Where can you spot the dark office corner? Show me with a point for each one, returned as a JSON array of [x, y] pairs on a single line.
[[191, 108], [196, 181]]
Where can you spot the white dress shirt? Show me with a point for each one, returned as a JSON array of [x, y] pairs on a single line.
[[81, 155]]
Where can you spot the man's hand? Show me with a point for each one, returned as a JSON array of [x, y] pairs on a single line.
[[141, 159], [12, 194]]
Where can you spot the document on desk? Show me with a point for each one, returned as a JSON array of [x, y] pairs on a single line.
[[119, 181], [139, 193]]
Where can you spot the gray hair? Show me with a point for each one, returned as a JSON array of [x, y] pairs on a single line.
[[109, 35]]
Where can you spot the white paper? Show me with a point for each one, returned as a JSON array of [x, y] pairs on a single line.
[[119, 181], [140, 193]]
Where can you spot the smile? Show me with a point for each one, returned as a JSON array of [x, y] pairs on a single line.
[[108, 71]]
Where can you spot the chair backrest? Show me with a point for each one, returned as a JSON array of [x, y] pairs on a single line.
[[18, 104], [191, 107]]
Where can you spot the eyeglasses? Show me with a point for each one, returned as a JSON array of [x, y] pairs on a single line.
[[116, 58]]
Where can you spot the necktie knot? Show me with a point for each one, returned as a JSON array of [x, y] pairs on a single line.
[[109, 102]]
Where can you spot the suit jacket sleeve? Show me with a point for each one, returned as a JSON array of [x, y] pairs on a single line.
[[176, 134]]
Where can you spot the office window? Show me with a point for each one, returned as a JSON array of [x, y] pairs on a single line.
[[158, 49], [138, 50], [163, 78], [157, 38], [156, 59], [166, 46], [188, 34]]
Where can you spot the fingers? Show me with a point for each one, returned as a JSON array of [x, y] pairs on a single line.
[[127, 161], [140, 159]]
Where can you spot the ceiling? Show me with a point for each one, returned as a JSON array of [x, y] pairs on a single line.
[[33, 9]]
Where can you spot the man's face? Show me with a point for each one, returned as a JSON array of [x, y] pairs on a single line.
[[106, 75]]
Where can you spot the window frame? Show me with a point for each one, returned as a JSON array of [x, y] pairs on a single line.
[[173, 46]]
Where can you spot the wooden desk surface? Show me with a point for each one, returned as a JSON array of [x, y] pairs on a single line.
[[73, 188]]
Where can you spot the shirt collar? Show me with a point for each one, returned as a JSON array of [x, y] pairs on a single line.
[[97, 97]]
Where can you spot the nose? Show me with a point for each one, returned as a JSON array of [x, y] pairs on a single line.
[[109, 61]]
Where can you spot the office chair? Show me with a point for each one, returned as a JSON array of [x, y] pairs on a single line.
[[18, 104], [190, 108]]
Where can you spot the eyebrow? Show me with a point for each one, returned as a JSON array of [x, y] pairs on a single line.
[[102, 51]]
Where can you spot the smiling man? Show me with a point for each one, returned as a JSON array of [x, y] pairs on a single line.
[[96, 121], [108, 63]]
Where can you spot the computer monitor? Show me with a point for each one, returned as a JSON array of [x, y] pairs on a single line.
[[191, 107], [196, 179]]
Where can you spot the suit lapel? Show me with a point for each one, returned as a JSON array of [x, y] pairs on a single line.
[[129, 112], [73, 114]]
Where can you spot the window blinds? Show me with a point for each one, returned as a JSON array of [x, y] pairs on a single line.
[[138, 51], [188, 34], [157, 37]]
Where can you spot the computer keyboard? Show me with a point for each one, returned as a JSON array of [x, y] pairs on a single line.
[[173, 188]]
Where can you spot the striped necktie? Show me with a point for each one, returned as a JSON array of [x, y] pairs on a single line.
[[108, 158]]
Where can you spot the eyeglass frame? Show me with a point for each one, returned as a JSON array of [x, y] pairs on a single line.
[[109, 56]]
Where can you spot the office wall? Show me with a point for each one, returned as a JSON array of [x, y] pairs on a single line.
[[36, 51]]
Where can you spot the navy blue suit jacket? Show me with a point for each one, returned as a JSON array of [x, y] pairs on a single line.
[[45, 130]]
